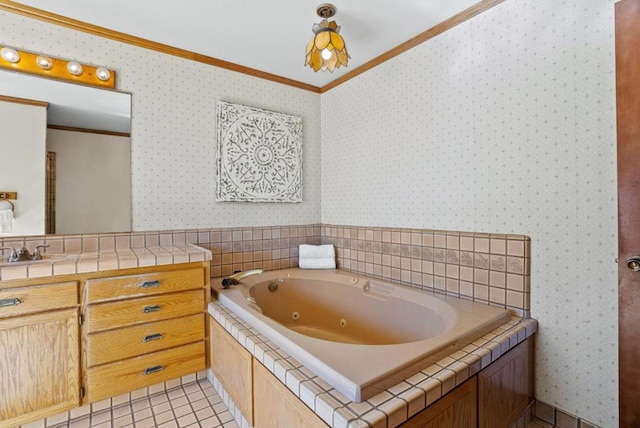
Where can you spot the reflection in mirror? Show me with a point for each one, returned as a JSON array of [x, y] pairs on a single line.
[[68, 158]]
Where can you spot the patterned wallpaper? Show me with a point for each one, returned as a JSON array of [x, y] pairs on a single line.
[[174, 128], [505, 123]]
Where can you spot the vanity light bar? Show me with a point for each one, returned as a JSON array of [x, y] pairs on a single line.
[[43, 65]]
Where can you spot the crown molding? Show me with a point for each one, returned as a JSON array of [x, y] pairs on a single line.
[[455, 20], [52, 18]]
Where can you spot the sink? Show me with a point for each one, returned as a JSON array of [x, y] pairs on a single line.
[[53, 258]]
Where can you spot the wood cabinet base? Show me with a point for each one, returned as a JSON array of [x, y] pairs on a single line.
[[40, 373], [105, 332], [231, 364], [275, 406], [457, 409], [505, 388], [143, 326]]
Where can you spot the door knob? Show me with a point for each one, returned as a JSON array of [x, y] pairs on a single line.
[[633, 263]]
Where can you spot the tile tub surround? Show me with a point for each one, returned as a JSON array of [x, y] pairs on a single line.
[[396, 404], [484, 267]]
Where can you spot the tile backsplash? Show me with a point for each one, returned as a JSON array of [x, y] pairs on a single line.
[[484, 267], [268, 247]]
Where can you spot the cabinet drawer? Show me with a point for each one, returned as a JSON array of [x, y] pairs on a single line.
[[123, 287], [113, 345], [116, 378], [26, 300], [107, 316]]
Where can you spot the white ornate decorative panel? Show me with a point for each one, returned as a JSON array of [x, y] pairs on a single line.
[[259, 157]]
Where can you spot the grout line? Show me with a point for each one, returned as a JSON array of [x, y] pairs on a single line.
[[146, 403]]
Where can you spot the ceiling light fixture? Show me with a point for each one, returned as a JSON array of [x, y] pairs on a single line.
[[326, 50]]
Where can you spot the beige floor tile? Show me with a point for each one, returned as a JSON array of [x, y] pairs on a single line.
[[194, 404]]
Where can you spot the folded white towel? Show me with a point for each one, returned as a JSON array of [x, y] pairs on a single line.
[[316, 252], [325, 263], [6, 220]]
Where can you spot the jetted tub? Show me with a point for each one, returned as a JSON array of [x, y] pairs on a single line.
[[358, 334]]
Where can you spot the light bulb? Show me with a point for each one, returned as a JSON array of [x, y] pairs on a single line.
[[103, 74], [326, 53], [10, 55], [44, 62], [74, 68]]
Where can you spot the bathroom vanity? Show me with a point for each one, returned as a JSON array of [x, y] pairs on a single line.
[[79, 337]]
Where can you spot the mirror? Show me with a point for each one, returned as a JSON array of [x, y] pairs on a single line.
[[84, 157]]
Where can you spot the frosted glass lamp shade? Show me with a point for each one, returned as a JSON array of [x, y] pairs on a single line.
[[10, 55], [44, 62], [74, 68]]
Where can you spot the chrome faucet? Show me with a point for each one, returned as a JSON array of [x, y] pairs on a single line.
[[236, 277], [22, 254]]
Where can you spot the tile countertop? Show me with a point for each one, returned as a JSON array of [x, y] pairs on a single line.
[[393, 406], [86, 262]]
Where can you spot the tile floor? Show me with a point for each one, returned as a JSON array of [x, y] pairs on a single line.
[[534, 424], [194, 405]]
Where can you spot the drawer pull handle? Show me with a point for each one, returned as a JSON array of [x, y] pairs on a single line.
[[9, 302], [152, 337], [150, 284], [154, 369], [153, 308]]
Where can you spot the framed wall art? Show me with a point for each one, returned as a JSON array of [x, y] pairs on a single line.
[[259, 157]]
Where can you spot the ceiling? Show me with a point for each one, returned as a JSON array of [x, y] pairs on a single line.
[[269, 36]]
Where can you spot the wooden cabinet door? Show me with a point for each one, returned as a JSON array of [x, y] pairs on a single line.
[[231, 364], [505, 388], [39, 371], [275, 406], [457, 409]]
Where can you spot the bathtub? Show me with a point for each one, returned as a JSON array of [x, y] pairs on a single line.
[[359, 335]]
